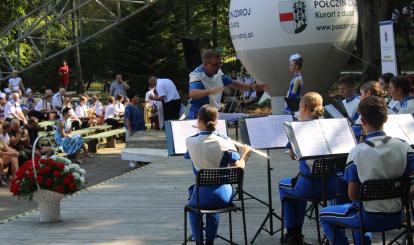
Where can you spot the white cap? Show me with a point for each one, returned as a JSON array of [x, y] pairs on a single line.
[[28, 91], [7, 90], [2, 96], [294, 57]]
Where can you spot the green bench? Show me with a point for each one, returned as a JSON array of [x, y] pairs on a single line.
[[108, 137], [46, 124]]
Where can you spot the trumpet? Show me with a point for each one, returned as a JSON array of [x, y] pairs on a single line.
[[238, 144]]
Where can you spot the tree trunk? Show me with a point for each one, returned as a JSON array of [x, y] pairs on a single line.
[[214, 23], [78, 66], [370, 13]]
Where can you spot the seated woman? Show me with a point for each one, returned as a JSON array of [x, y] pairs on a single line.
[[370, 160], [71, 145], [311, 107], [210, 150], [371, 88], [9, 156], [400, 90]]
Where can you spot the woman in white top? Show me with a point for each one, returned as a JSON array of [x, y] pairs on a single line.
[[400, 90], [9, 156]]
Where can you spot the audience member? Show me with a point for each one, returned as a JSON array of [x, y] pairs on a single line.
[[43, 109], [28, 102], [57, 99], [109, 115], [3, 102], [12, 109], [20, 141], [119, 106], [118, 87], [16, 82], [81, 112]]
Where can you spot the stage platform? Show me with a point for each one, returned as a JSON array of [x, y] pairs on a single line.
[[145, 206]]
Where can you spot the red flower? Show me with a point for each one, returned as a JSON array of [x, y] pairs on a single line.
[[30, 175], [14, 189], [56, 173], [60, 189], [46, 169], [73, 187], [70, 175], [49, 182], [39, 179], [60, 165], [67, 180]]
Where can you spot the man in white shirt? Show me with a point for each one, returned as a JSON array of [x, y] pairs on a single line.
[[3, 101], [57, 100], [96, 105], [15, 82], [119, 106], [43, 108], [166, 92], [13, 109]]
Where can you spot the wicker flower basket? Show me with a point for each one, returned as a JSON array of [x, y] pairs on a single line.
[[49, 205], [48, 201]]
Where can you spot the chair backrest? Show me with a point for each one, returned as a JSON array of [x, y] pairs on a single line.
[[220, 176], [325, 167], [372, 190]]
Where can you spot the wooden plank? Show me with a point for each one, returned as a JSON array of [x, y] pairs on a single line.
[[43, 125]]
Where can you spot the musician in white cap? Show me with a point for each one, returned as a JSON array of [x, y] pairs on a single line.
[[295, 66]]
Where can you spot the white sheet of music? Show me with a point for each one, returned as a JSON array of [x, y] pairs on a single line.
[[277, 123], [310, 138], [406, 122], [338, 135], [392, 128], [261, 133], [333, 111], [181, 130]]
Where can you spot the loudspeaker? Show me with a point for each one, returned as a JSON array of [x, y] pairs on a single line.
[[192, 52]]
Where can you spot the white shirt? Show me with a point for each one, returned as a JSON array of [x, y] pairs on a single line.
[[14, 82], [383, 161], [98, 108], [57, 100], [81, 111], [209, 82], [12, 107], [119, 108], [5, 138], [147, 97], [109, 111], [43, 105], [166, 87], [351, 106]]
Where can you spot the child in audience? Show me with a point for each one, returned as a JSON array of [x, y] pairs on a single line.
[[311, 107], [370, 161], [210, 150]]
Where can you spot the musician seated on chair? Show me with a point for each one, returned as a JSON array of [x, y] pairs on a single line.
[[210, 150], [82, 112], [380, 157], [292, 190]]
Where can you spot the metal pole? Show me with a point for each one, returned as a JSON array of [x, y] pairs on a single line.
[[79, 84]]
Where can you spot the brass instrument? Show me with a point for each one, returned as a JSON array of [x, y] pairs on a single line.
[[147, 116]]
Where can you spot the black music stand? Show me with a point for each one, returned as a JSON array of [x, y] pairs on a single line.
[[271, 212], [337, 103], [293, 105]]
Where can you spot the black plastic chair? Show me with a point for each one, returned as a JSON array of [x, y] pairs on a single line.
[[375, 190], [321, 169], [219, 176]]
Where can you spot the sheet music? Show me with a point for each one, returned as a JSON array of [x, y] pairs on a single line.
[[181, 130], [406, 122], [231, 117], [392, 128], [310, 138], [338, 135], [400, 126], [333, 111], [277, 123], [261, 133]]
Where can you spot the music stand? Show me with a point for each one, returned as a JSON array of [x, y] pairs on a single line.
[[293, 105], [337, 103], [247, 138]]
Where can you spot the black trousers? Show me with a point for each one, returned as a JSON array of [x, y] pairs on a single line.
[[171, 110]]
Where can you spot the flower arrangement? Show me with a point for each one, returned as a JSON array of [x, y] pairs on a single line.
[[56, 174]]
